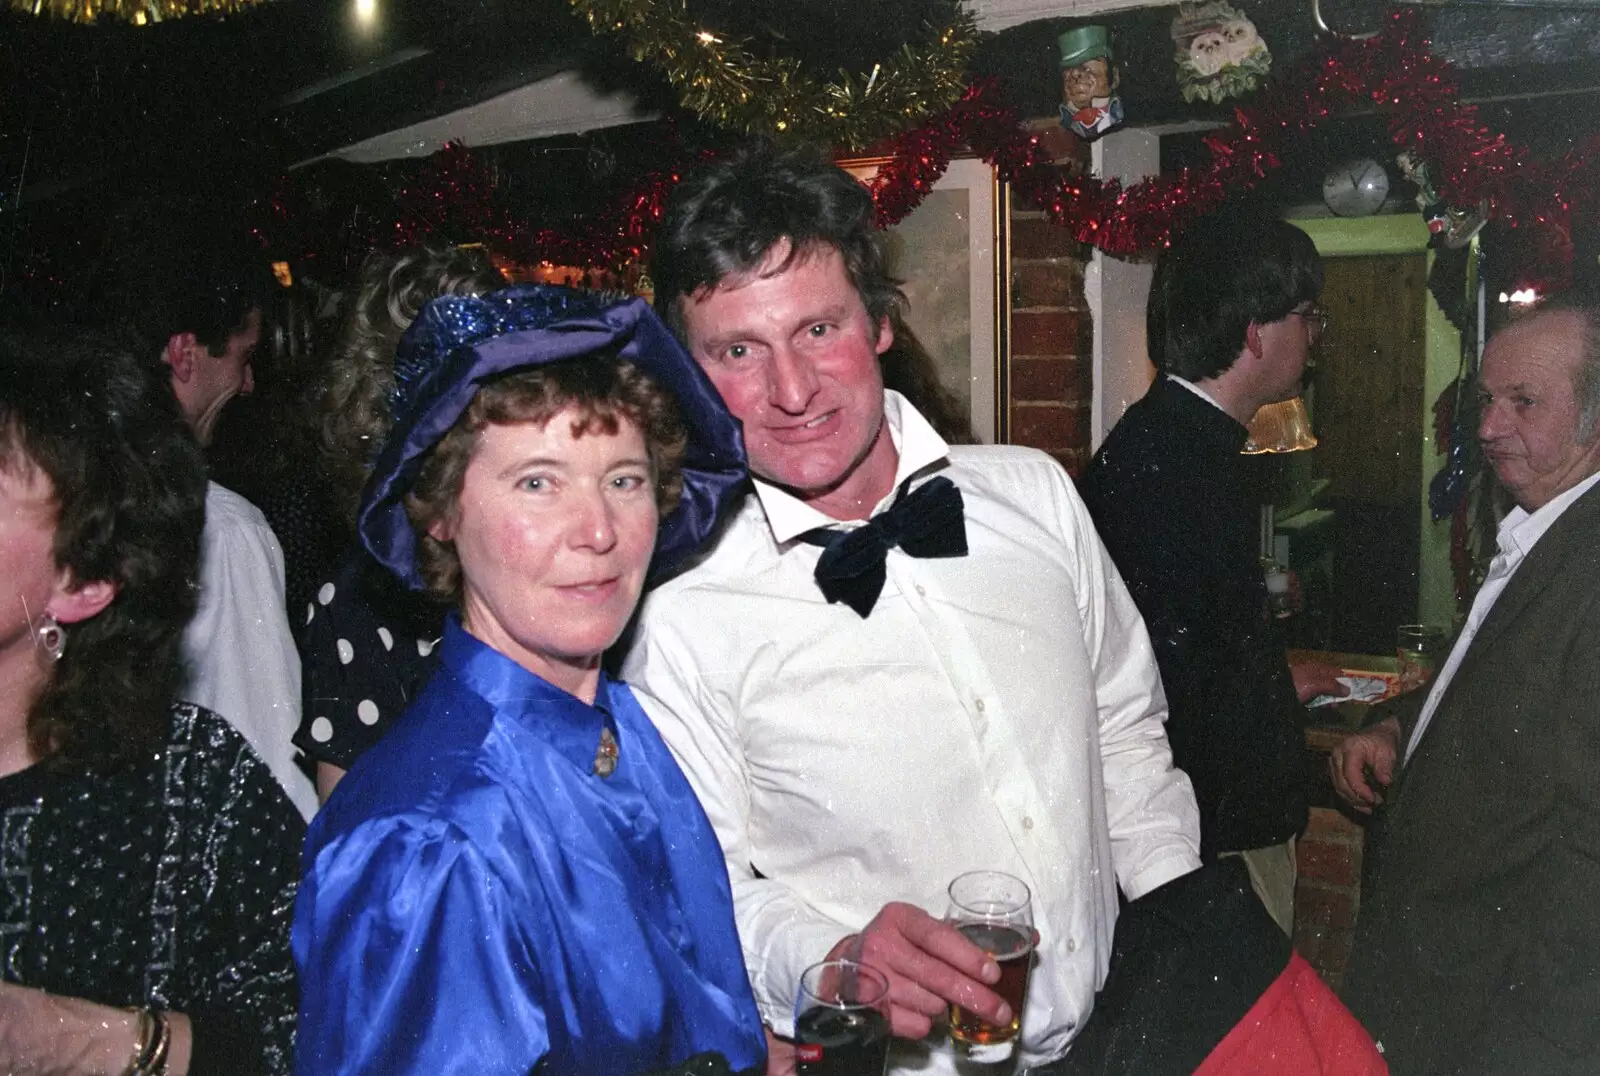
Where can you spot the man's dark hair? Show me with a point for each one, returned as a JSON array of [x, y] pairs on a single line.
[[909, 369], [128, 487], [170, 284], [725, 217], [1225, 273]]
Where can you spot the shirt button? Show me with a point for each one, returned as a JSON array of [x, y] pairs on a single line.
[[1072, 945], [921, 593], [1027, 821], [979, 705]]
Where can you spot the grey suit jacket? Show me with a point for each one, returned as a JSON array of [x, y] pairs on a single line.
[[1478, 941]]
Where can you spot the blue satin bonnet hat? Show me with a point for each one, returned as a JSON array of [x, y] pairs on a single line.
[[458, 342]]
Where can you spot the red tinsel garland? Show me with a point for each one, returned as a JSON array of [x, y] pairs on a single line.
[[1393, 73], [453, 198]]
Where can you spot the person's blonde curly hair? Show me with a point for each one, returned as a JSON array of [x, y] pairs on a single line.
[[359, 380]]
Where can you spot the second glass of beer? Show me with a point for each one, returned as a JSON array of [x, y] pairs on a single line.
[[994, 911]]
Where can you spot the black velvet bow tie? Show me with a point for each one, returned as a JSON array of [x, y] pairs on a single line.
[[925, 523]]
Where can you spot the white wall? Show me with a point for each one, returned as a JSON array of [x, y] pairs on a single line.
[[999, 14], [1116, 292]]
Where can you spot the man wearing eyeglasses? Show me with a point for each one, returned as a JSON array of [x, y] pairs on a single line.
[[1231, 320]]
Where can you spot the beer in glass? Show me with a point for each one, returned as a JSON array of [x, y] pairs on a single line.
[[995, 912]]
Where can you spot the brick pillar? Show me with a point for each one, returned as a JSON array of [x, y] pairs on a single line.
[[1327, 896], [1051, 330]]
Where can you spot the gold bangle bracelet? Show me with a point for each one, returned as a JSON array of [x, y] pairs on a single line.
[[144, 1035], [157, 1065]]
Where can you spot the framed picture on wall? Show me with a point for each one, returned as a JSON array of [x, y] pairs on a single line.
[[951, 252]]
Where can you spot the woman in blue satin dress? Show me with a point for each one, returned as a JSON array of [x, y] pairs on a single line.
[[518, 878]]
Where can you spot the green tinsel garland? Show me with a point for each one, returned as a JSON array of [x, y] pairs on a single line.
[[722, 82], [137, 12]]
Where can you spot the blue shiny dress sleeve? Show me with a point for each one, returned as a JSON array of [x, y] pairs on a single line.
[[411, 958]]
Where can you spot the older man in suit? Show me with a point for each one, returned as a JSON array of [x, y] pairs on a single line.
[[1478, 946]]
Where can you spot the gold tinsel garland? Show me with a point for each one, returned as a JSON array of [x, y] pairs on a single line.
[[723, 83], [137, 12]]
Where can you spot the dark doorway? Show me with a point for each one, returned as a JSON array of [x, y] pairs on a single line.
[[1366, 405]]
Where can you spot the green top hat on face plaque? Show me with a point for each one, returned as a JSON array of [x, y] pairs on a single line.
[[1084, 44]]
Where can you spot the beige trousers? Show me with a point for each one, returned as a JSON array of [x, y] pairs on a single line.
[[1272, 876]]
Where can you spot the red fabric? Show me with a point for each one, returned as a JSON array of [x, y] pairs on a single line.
[[1297, 1028]]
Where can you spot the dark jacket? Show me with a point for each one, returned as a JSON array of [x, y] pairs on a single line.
[[1203, 981], [1477, 948], [1170, 497]]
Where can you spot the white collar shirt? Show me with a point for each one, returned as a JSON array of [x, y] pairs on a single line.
[[1001, 710], [238, 650], [1518, 533], [1198, 391]]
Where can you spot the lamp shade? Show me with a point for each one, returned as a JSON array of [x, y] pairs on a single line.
[[1280, 427]]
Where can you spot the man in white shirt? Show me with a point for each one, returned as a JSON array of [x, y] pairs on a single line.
[[1478, 943], [204, 314], [965, 684]]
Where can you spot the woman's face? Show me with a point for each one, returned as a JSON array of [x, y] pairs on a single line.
[[554, 532], [29, 579]]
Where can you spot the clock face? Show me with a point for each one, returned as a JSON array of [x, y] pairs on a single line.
[[1355, 188]]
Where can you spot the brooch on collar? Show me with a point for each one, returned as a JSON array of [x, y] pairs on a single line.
[[605, 756]]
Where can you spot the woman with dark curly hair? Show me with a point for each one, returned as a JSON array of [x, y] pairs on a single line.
[[367, 642], [517, 877], [149, 856]]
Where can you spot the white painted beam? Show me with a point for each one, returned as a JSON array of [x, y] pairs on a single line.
[[560, 104], [1116, 292], [1000, 14]]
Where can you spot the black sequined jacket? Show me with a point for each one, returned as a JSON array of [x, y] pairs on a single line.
[[168, 882], [1170, 496]]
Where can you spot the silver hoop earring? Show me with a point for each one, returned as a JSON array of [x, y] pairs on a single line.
[[52, 636]]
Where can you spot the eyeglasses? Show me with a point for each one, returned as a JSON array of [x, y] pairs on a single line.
[[1316, 320]]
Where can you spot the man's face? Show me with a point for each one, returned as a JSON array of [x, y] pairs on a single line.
[[1082, 84], [1286, 347], [794, 354], [1528, 421], [216, 379]]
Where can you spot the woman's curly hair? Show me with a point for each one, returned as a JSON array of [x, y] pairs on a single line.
[[601, 389], [129, 486], [359, 380]]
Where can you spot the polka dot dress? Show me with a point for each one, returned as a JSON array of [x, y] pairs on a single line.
[[367, 652]]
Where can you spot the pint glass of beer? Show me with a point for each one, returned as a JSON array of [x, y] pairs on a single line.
[[841, 1020], [995, 912]]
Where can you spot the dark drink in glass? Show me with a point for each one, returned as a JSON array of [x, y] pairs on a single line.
[[842, 1042], [841, 1020]]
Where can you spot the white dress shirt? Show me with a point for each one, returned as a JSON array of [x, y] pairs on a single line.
[[240, 655], [1518, 532], [1000, 710], [1198, 391]]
